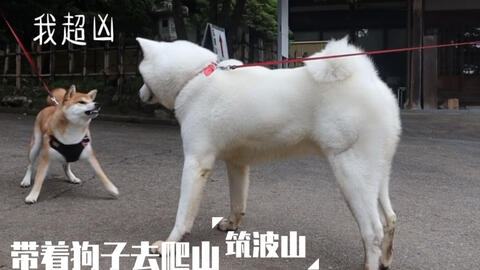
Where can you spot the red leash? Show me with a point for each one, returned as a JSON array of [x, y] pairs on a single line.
[[29, 58], [296, 60]]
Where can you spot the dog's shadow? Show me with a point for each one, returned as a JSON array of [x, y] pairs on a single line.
[[57, 186]]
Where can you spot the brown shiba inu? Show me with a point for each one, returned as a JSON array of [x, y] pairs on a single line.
[[61, 133]]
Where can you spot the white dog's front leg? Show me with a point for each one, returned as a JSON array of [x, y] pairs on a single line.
[[195, 173], [238, 182]]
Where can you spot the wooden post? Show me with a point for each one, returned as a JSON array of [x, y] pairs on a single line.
[[52, 62], [70, 58], [38, 58], [261, 55], [246, 47], [251, 46], [430, 74], [282, 31], [120, 67], [106, 61], [415, 33], [84, 62], [18, 68], [139, 52], [5, 64]]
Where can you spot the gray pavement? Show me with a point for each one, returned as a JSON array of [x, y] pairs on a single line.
[[435, 190]]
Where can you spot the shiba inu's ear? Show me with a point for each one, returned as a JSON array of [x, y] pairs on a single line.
[[70, 93], [92, 94]]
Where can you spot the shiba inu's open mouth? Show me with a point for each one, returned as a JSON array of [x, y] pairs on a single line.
[[93, 112]]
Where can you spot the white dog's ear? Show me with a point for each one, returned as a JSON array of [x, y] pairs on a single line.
[[345, 39], [92, 94], [149, 47], [70, 93]]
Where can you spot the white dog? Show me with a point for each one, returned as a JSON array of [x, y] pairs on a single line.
[[338, 108]]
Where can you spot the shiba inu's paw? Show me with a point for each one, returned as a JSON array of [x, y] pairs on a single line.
[[31, 199], [25, 183], [227, 225], [113, 190], [75, 180], [156, 248]]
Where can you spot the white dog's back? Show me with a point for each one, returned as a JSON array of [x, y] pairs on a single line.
[[272, 112]]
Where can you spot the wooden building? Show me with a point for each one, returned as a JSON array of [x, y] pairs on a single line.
[[420, 79]]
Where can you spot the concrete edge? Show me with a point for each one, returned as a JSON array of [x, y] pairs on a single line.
[[102, 117]]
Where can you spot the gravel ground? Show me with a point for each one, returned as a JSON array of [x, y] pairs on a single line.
[[435, 190]]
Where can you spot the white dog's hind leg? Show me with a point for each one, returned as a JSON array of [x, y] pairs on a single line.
[[71, 177], [360, 187], [390, 220], [196, 170], [238, 182], [35, 145]]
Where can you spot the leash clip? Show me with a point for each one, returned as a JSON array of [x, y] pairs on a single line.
[[229, 67], [208, 70], [54, 99]]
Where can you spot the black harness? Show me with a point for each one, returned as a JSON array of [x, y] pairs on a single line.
[[71, 152]]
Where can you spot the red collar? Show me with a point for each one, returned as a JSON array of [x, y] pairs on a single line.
[[208, 70]]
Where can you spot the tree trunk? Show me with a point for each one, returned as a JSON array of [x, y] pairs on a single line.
[[213, 11], [238, 12], [415, 33], [234, 31], [179, 20], [225, 13]]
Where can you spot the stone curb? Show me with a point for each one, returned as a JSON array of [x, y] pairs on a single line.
[[102, 117]]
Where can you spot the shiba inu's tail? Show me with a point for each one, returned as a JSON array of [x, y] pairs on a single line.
[[338, 69], [59, 94]]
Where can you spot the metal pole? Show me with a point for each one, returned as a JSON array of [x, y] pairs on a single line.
[[282, 35]]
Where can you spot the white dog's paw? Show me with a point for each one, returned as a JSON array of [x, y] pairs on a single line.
[[31, 199], [75, 180], [157, 247], [227, 225], [113, 190], [25, 183]]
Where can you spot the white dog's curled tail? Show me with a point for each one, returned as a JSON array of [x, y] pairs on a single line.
[[342, 68]]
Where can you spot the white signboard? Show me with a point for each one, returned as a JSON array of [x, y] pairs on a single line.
[[214, 38]]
